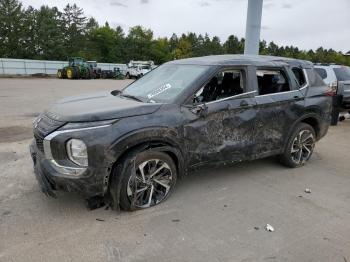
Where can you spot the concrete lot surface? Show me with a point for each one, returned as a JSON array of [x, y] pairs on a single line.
[[213, 215]]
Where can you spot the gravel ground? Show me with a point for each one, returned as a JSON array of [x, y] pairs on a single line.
[[213, 215]]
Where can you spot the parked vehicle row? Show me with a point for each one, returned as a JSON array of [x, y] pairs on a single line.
[[338, 78], [78, 68], [131, 146]]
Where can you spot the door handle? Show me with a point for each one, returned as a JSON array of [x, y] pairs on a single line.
[[244, 103]]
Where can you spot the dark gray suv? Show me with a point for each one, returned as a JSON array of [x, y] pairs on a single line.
[[130, 146]]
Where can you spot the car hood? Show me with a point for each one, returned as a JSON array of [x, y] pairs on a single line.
[[98, 106]]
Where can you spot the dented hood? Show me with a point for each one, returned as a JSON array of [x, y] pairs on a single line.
[[98, 106]]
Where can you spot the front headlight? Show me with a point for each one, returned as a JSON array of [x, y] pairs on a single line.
[[77, 152]]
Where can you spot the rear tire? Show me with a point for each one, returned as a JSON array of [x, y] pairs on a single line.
[[334, 116], [149, 183], [76, 73], [299, 147]]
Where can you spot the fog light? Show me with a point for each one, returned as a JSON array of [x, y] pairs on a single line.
[[77, 152]]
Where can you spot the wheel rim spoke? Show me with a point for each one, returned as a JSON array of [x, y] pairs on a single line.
[[308, 150], [310, 136], [149, 200], [141, 168], [161, 183], [160, 168]]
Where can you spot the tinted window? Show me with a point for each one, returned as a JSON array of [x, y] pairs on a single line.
[[165, 83], [226, 83], [321, 72], [342, 73], [299, 76], [272, 81]]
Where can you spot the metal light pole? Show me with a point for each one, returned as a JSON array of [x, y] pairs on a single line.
[[253, 26]]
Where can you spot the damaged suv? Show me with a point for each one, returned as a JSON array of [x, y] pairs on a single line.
[[131, 146]]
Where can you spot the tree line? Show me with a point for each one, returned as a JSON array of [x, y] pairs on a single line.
[[52, 34]]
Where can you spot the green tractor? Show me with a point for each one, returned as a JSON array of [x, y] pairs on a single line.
[[76, 69]]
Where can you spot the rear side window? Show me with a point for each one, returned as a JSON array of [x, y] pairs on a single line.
[[314, 78], [321, 72], [272, 81], [342, 73], [299, 76]]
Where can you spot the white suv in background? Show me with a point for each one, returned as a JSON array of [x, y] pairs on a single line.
[[338, 78], [137, 69]]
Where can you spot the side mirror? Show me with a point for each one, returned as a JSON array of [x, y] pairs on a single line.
[[200, 109]]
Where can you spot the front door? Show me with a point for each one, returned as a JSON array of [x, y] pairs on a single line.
[[221, 129]]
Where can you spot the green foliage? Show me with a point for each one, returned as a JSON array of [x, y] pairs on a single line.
[[12, 28], [48, 33]]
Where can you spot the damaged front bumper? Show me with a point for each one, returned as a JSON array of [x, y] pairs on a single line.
[[52, 177], [46, 186]]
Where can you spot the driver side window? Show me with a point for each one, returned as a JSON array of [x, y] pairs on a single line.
[[225, 84]]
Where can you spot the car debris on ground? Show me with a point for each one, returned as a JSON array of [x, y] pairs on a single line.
[[269, 228], [308, 190]]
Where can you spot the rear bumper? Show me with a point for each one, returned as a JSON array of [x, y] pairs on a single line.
[[89, 184], [345, 105], [341, 102]]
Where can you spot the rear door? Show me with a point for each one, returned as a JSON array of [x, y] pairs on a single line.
[[279, 104]]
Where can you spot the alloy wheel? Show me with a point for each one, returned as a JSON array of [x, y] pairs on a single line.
[[302, 146], [150, 184]]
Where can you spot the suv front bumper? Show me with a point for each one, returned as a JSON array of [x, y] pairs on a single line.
[[93, 182]]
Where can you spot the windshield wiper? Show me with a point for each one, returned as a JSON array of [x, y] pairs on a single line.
[[130, 96]]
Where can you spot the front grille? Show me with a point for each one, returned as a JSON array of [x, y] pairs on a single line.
[[39, 143]]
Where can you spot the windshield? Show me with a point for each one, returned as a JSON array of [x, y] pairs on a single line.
[[342, 73], [164, 83]]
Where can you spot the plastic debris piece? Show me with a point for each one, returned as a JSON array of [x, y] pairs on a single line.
[[269, 228], [308, 190], [256, 228]]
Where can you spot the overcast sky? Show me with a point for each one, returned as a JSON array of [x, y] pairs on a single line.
[[302, 23]]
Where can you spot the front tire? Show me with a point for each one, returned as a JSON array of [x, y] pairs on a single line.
[[300, 146], [148, 179], [59, 74], [70, 73]]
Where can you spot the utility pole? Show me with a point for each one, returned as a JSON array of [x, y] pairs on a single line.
[[253, 26]]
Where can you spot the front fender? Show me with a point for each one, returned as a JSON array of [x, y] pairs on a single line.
[[151, 137]]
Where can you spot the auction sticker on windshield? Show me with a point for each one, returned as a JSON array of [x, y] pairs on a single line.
[[159, 90]]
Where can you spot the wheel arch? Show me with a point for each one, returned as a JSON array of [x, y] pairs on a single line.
[[311, 118], [140, 141], [160, 139]]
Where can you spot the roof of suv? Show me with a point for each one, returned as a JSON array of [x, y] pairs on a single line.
[[259, 60]]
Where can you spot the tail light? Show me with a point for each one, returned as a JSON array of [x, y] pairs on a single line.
[[332, 90]]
